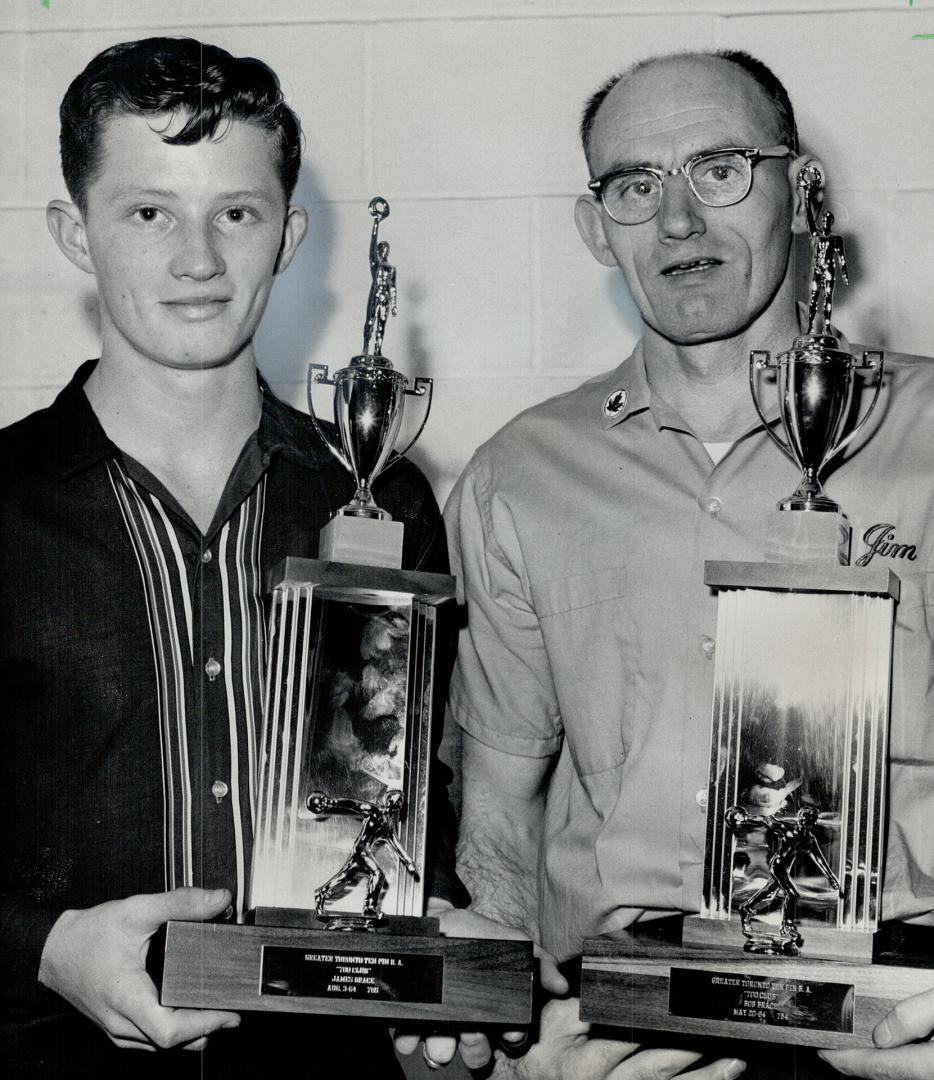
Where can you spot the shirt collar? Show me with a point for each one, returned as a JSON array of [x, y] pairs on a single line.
[[625, 391], [83, 442]]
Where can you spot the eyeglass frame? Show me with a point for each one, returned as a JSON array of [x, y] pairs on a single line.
[[753, 154]]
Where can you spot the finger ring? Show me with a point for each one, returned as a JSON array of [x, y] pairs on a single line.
[[429, 1060]]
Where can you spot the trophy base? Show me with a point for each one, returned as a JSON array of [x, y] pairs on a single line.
[[652, 979], [404, 969], [368, 541], [797, 535]]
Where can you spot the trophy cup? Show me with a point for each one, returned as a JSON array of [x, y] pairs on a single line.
[[369, 399], [786, 947], [815, 393], [340, 834]]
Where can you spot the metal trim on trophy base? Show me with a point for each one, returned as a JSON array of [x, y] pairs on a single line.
[[636, 981], [302, 970], [367, 541]]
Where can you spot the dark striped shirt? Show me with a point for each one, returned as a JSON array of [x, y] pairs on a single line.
[[132, 657]]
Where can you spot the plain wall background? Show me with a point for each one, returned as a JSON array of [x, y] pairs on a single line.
[[463, 114]]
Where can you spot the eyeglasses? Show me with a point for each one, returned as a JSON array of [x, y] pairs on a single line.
[[717, 178]]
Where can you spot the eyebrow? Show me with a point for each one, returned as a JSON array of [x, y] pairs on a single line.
[[624, 165], [172, 196]]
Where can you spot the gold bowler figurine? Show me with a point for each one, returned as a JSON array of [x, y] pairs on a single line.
[[379, 827]]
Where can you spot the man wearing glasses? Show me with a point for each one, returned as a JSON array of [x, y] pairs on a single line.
[[580, 532]]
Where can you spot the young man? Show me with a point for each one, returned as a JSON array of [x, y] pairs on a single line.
[[140, 515], [584, 679]]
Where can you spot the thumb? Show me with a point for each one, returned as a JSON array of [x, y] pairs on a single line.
[[189, 904], [550, 977]]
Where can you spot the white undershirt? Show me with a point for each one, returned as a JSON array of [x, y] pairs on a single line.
[[717, 450]]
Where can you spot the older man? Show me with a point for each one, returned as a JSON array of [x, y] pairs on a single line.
[[140, 515], [580, 532]]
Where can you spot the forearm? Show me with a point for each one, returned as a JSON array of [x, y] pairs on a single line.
[[497, 854]]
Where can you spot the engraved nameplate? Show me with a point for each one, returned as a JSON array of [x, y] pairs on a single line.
[[760, 999], [387, 976]]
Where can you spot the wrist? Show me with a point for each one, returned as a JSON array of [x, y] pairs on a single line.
[[51, 950], [436, 905]]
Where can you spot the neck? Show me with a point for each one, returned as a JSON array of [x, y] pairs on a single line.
[[708, 383], [186, 426]]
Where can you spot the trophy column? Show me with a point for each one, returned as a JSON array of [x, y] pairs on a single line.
[[786, 945], [341, 824]]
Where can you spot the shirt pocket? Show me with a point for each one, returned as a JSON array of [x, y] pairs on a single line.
[[586, 629]]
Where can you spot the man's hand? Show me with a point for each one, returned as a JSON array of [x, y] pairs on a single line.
[[565, 1051], [475, 1046], [96, 959], [903, 1040]]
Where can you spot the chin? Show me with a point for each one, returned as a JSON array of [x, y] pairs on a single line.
[[698, 335]]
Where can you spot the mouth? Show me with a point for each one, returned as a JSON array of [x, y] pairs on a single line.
[[197, 308], [691, 266]]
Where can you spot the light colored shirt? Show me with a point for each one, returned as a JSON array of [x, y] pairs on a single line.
[[579, 533]]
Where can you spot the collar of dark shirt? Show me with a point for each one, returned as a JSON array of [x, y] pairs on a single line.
[[84, 443]]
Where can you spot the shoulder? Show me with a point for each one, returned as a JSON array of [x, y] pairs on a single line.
[[907, 388], [546, 430], [29, 447]]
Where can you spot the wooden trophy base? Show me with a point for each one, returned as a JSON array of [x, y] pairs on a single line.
[[657, 982], [403, 970]]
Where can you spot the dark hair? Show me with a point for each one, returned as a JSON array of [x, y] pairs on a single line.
[[159, 75], [755, 69]]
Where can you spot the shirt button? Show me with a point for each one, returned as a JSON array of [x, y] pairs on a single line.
[[212, 669], [206, 556], [701, 798], [712, 506], [219, 789], [708, 646]]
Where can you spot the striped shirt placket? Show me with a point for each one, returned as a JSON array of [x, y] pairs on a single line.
[[157, 544]]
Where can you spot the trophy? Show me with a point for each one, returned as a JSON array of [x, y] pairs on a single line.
[[815, 393], [787, 945], [336, 895]]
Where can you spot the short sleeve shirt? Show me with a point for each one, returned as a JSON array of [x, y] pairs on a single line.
[[580, 533]]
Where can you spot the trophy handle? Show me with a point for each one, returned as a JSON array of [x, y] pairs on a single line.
[[872, 359], [421, 386], [758, 359], [318, 375]]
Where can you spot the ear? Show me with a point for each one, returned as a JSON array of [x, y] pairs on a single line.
[[588, 216], [66, 225], [293, 233], [799, 219]]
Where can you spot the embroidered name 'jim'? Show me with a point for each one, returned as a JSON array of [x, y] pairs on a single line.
[[880, 540]]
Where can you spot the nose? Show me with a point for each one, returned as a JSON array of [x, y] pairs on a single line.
[[197, 255], [680, 214]]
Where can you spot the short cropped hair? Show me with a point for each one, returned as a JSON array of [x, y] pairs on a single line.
[[759, 72], [162, 74]]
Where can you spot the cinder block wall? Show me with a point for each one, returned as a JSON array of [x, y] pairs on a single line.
[[463, 113]]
